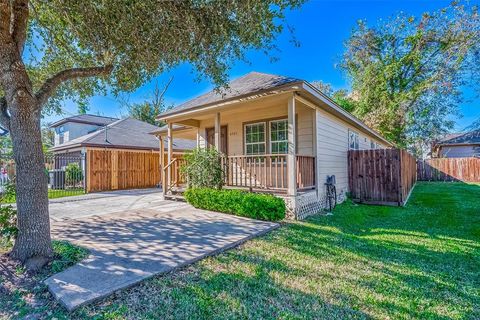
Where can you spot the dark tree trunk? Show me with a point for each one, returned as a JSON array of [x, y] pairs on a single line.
[[33, 244], [33, 241]]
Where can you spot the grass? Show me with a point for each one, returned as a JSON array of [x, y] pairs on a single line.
[[421, 261], [52, 194]]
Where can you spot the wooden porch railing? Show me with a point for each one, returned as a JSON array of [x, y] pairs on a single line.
[[268, 171], [259, 171], [177, 177], [305, 172]]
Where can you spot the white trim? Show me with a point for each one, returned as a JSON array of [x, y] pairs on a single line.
[[357, 139], [270, 135], [257, 143]]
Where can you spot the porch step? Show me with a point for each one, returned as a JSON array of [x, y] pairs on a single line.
[[174, 197]]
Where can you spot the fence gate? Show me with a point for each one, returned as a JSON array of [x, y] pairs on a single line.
[[119, 169], [383, 176]]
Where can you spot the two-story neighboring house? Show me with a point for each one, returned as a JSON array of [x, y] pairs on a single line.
[[71, 128]]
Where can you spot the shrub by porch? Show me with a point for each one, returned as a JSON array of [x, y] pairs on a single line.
[[237, 202]]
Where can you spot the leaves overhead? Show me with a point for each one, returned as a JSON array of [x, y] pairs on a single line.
[[407, 74], [141, 39]]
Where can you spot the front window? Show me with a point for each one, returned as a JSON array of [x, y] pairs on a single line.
[[255, 138], [353, 143], [373, 145], [279, 136]]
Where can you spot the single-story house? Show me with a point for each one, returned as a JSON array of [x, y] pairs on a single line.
[[278, 134], [458, 145]]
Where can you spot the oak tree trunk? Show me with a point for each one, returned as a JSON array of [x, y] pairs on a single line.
[[33, 241], [33, 244]]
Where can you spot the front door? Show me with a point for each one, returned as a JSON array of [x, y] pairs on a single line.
[[223, 138]]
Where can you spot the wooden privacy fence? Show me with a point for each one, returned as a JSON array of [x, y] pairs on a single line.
[[449, 169], [383, 176], [121, 169]]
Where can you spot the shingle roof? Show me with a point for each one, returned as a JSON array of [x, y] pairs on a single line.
[[245, 85], [471, 137], [126, 133], [85, 118]]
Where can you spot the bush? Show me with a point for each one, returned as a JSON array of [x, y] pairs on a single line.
[[241, 203], [9, 194], [203, 168], [8, 215], [73, 174], [8, 223]]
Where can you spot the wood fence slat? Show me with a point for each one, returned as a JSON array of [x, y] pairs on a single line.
[[449, 169], [381, 176], [119, 169]]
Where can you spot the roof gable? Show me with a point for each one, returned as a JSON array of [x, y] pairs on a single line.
[[248, 84], [86, 119]]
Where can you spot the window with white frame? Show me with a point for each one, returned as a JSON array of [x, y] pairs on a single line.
[[255, 138], [279, 136], [373, 145], [353, 142]]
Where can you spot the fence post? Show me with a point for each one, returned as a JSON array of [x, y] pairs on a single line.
[[84, 171]]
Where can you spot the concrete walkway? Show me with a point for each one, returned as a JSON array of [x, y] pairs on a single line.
[[129, 246]]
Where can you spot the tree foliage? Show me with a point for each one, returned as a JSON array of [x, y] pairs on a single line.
[[148, 110], [407, 73], [136, 40]]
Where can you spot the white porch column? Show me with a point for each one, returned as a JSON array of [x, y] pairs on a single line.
[[291, 157], [198, 138], [162, 162], [170, 154], [217, 132]]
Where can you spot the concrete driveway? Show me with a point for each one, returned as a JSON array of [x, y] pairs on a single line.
[[149, 236], [101, 203]]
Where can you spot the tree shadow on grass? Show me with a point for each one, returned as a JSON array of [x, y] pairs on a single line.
[[231, 286], [430, 267]]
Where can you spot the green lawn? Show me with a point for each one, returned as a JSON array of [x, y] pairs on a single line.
[[421, 261], [53, 194]]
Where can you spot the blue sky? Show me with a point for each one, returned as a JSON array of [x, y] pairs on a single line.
[[321, 27]]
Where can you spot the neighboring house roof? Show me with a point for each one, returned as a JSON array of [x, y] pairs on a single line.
[[126, 133], [258, 84], [471, 137], [86, 119]]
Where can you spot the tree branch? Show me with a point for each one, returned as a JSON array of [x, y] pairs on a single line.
[[20, 22], [51, 84], [4, 116]]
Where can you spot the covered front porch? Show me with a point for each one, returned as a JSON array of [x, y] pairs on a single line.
[[267, 144]]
